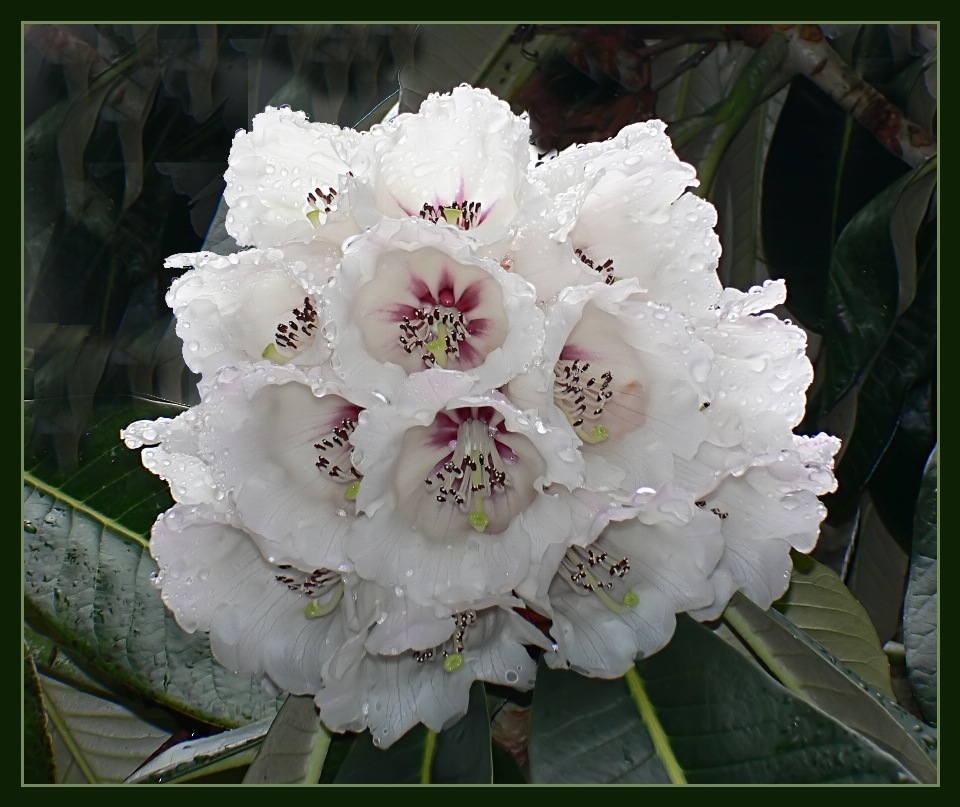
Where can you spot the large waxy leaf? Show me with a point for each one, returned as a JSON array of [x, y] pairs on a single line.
[[819, 680], [907, 357], [295, 747], [863, 290], [94, 739], [822, 606], [705, 712], [821, 169], [459, 755], [38, 765], [920, 605], [88, 577]]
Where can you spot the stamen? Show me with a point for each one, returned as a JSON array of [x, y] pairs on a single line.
[[580, 565], [452, 650], [440, 330], [320, 202], [473, 473], [463, 215], [604, 269], [290, 337], [582, 397], [334, 458], [322, 586]]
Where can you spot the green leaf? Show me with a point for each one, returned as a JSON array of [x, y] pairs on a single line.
[[700, 702], [820, 170], [908, 357], [920, 605], [506, 771], [458, 755], [203, 757], [819, 680], [295, 747], [38, 766], [94, 739], [863, 290], [820, 604]]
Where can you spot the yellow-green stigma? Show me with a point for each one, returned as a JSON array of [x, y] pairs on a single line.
[[630, 599], [352, 490], [451, 214], [315, 608], [478, 520], [314, 217], [453, 662], [438, 346], [271, 352]]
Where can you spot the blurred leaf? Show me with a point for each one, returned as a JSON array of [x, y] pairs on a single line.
[[878, 573], [863, 289], [340, 747], [721, 716], [203, 757], [736, 194], [506, 771], [907, 357], [895, 484], [38, 767], [94, 737], [458, 755], [828, 686], [821, 169], [295, 747], [444, 56], [920, 606], [820, 604]]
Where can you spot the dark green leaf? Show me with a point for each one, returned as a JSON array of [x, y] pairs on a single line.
[[920, 606], [295, 747], [908, 357], [719, 715], [340, 747], [38, 767], [895, 484], [506, 771], [458, 755], [821, 169], [817, 678], [863, 290], [820, 604], [878, 572]]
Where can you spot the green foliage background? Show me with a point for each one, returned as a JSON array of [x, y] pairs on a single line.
[[127, 131]]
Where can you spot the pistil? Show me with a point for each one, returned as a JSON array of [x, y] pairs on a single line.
[[580, 565], [582, 397], [439, 331], [294, 335]]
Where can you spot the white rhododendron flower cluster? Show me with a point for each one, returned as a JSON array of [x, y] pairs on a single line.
[[460, 407]]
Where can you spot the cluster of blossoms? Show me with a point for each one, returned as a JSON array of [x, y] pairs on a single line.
[[459, 404]]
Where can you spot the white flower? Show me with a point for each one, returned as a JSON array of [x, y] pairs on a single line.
[[450, 390], [243, 307]]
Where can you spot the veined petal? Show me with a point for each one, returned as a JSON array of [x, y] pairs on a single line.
[[410, 296], [284, 454], [243, 307], [636, 219], [615, 599], [213, 578], [272, 170], [459, 160]]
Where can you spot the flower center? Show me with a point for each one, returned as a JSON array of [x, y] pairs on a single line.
[[582, 397], [293, 335], [437, 332], [461, 214], [334, 458], [322, 587], [592, 571], [473, 473], [605, 270], [452, 650]]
